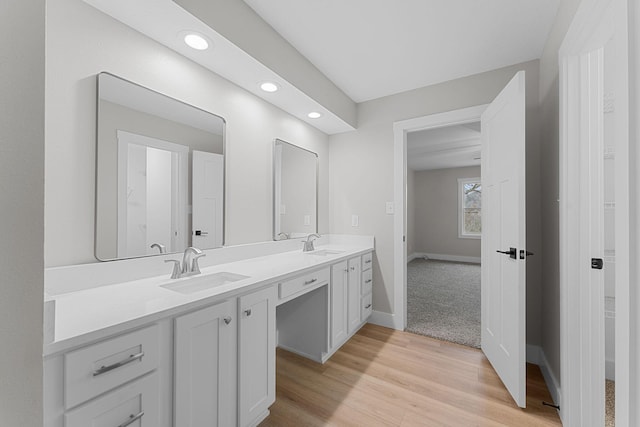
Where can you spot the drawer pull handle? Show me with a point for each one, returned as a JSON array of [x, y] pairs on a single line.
[[105, 369], [368, 281], [368, 261], [248, 312], [352, 268], [368, 306], [308, 282], [132, 419], [227, 320]]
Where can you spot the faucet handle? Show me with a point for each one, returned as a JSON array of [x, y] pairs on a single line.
[[195, 268], [177, 269]]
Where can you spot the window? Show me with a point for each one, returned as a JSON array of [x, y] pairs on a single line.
[[469, 208]]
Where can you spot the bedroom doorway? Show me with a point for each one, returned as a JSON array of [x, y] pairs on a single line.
[[444, 203]]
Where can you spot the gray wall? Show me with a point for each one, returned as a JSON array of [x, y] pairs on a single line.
[[361, 166], [549, 147], [72, 65], [22, 67], [435, 196], [411, 212]]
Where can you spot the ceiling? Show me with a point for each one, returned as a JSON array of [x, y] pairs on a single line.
[[375, 48], [442, 148]]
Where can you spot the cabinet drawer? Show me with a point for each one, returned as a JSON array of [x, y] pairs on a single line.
[[367, 261], [367, 282], [133, 405], [97, 368], [366, 307], [301, 283]]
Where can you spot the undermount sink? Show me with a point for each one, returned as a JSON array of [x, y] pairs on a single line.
[[201, 283], [324, 252]]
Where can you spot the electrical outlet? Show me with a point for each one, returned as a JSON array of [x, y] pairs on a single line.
[[354, 220], [391, 209]]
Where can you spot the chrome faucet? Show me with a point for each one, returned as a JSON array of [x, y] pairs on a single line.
[[189, 265], [308, 244], [162, 248]]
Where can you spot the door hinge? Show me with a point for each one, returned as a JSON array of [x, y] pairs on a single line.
[[597, 263]]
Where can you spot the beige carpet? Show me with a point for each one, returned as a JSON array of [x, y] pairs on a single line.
[[443, 300], [610, 406]]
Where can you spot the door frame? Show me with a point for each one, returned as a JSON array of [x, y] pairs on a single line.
[[576, 371], [400, 130]]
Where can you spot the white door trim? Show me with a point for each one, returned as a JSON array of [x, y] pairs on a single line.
[[400, 130], [584, 35]]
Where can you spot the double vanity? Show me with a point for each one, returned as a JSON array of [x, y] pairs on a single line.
[[199, 350]]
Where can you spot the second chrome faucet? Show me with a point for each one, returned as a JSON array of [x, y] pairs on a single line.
[[189, 264]]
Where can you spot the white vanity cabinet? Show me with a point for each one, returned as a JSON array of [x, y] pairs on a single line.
[[366, 303], [256, 355], [205, 366], [338, 308], [353, 301]]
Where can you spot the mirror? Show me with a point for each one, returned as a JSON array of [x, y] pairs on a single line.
[[160, 173], [295, 191]]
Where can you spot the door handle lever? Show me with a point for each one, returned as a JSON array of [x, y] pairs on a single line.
[[512, 252]]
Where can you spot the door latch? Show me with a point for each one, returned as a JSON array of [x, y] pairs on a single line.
[[512, 252], [597, 263], [524, 254]]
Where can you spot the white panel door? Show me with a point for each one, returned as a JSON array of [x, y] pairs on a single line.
[[504, 230], [207, 194], [205, 367], [257, 354]]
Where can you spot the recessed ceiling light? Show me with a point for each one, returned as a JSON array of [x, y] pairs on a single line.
[[196, 41], [269, 87], [314, 115]]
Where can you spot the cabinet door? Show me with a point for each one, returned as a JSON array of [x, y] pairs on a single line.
[[339, 281], [133, 405], [354, 275], [257, 354], [205, 367]]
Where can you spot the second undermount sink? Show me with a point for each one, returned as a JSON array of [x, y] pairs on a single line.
[[324, 252], [201, 283]]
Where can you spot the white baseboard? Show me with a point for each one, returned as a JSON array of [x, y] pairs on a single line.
[[536, 355], [387, 320], [444, 257]]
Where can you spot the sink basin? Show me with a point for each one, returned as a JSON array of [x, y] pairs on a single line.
[[324, 252], [195, 284]]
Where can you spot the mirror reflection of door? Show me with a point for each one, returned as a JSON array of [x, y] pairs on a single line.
[[152, 187], [207, 199]]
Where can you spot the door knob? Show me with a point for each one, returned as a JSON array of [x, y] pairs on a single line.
[[512, 252]]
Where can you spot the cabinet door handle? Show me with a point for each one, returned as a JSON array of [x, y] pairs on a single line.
[[248, 312], [367, 281], [352, 268], [368, 306], [132, 419], [346, 270], [227, 320], [368, 261], [308, 282], [105, 369]]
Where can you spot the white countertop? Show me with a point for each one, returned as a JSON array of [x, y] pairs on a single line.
[[88, 315]]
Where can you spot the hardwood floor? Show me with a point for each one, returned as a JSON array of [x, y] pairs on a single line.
[[383, 377]]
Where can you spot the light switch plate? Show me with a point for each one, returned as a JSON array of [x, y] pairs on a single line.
[[354, 220], [390, 208]]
